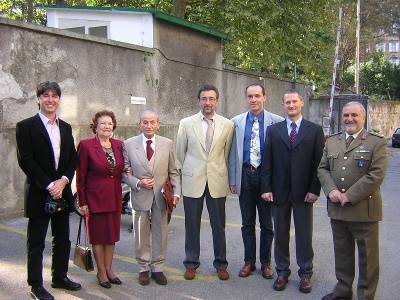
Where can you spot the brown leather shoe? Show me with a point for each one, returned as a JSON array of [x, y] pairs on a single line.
[[159, 277], [144, 278], [280, 283], [305, 285], [246, 270], [331, 296], [223, 274], [190, 274], [267, 272]]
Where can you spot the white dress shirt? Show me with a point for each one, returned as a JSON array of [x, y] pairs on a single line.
[[54, 134]]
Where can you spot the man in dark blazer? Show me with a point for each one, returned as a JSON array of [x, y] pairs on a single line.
[[46, 154], [289, 180], [351, 171], [245, 159]]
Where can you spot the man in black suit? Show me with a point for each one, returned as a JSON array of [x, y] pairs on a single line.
[[289, 180], [46, 154]]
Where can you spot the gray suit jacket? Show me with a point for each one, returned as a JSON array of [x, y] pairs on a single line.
[[236, 152], [164, 166]]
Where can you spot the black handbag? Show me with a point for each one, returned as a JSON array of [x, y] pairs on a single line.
[[83, 254]]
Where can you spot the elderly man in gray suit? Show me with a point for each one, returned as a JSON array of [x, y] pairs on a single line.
[[152, 161], [245, 159]]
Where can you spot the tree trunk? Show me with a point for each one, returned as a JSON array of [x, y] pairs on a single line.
[[179, 8], [29, 11]]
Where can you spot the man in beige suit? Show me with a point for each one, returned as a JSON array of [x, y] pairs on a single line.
[[203, 145], [152, 161]]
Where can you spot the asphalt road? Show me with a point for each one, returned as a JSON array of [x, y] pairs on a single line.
[[207, 285]]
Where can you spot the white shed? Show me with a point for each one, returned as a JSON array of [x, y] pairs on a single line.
[[123, 24]]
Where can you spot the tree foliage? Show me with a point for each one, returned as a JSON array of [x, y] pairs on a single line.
[[275, 36], [378, 78]]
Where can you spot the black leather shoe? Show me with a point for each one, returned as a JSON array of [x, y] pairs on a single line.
[[104, 284], [40, 293], [159, 277], [66, 284], [115, 280]]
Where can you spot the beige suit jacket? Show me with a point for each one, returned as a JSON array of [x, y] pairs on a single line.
[[196, 165], [164, 166]]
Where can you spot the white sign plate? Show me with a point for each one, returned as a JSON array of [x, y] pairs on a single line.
[[138, 100]]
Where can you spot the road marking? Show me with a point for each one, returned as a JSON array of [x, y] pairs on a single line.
[[177, 274]]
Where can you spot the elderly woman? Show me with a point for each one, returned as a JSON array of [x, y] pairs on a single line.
[[99, 172]]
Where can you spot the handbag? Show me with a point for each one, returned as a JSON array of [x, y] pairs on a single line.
[[83, 254], [168, 194]]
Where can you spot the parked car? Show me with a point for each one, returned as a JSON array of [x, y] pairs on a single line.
[[396, 138]]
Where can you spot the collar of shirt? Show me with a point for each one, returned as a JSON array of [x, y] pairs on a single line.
[[260, 116], [152, 145], [355, 135], [205, 124], [45, 119], [202, 117], [289, 123]]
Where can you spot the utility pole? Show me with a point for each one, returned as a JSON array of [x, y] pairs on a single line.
[[335, 66], [357, 66]]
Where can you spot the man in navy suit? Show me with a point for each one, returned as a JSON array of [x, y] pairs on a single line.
[[245, 160], [289, 181], [46, 154]]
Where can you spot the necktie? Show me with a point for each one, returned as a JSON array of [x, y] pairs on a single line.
[[209, 134], [349, 139], [149, 150], [293, 134], [255, 155]]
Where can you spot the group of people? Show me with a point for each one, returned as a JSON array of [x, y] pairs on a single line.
[[275, 165]]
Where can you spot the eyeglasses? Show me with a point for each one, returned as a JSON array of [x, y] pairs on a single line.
[[211, 99]]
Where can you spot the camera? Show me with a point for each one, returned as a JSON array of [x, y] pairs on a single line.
[[52, 206]]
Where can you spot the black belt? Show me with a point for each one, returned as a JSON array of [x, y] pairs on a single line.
[[249, 167]]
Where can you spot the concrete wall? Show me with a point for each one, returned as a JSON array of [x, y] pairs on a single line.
[[234, 82], [318, 109], [383, 116], [95, 74]]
